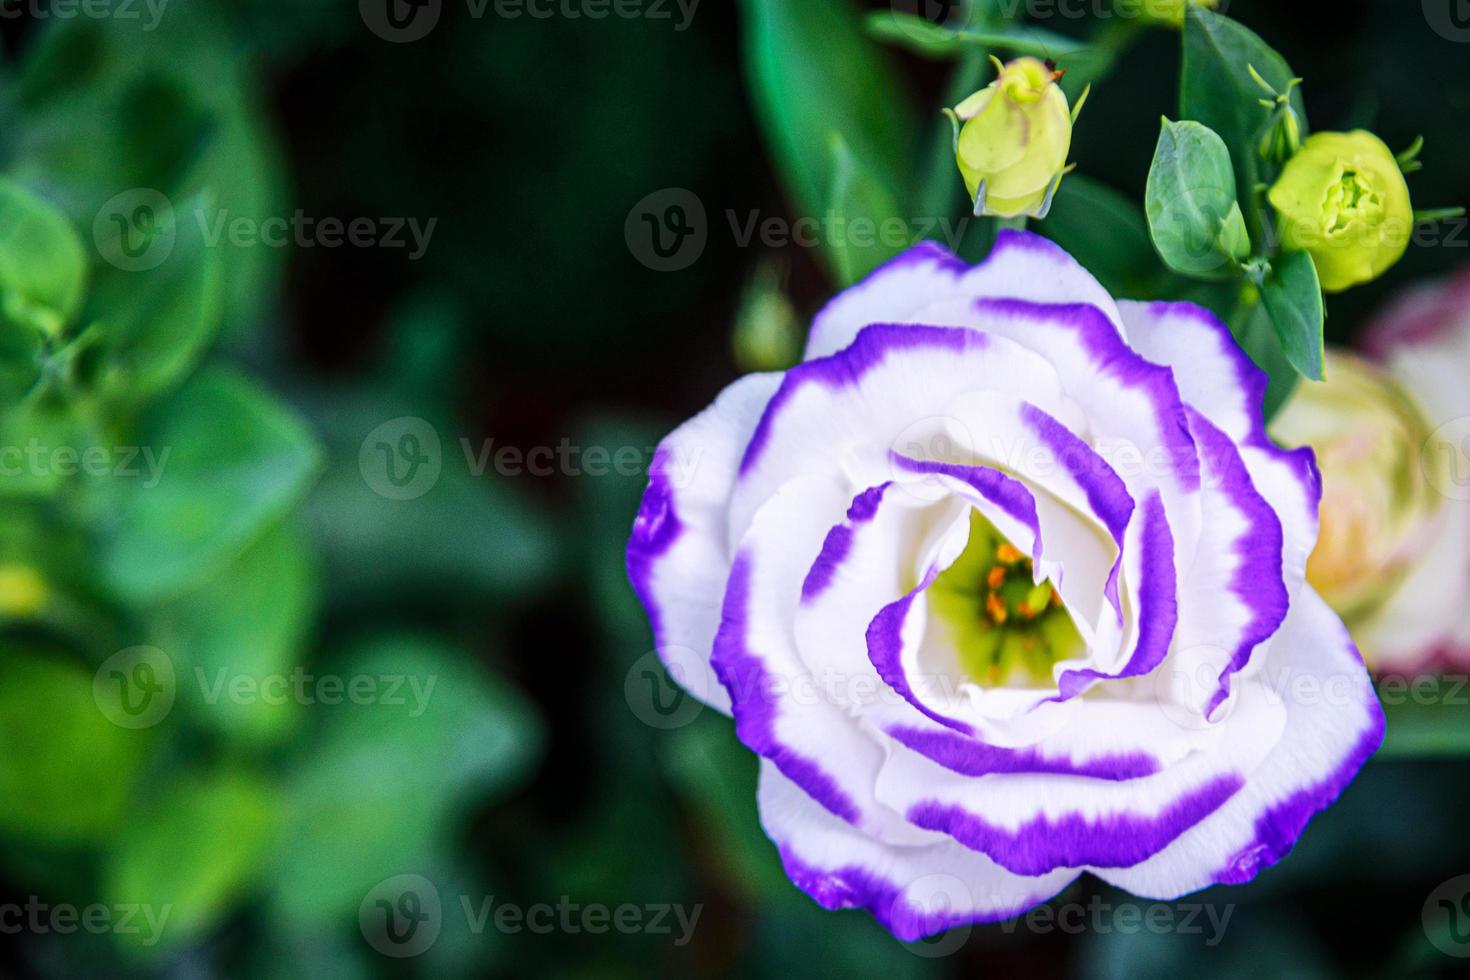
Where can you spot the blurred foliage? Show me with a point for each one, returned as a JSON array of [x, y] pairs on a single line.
[[183, 613]]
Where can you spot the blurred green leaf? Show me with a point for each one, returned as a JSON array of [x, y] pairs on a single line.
[[861, 217], [1217, 90], [1193, 215], [1293, 297], [469, 536], [43, 268], [68, 771], [1106, 232], [814, 73], [192, 853], [113, 104], [155, 322], [249, 621], [228, 461], [384, 785], [716, 777], [924, 37], [1428, 730]]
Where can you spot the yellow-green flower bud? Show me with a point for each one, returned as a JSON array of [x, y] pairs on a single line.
[[1377, 506], [1012, 140], [1343, 199]]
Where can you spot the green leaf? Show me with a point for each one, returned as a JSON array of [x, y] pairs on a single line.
[[862, 218], [192, 854], [384, 786], [105, 106], [222, 461], [43, 267], [250, 621], [470, 537], [1106, 231], [68, 771], [159, 314], [813, 72], [716, 776], [1257, 337], [1193, 216], [1217, 90], [1435, 728], [1293, 297], [931, 40]]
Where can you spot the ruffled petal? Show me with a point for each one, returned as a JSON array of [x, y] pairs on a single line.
[[1021, 266], [678, 558], [913, 891], [1333, 724]]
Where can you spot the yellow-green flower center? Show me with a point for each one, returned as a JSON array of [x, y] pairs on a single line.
[[1007, 629], [1351, 198]]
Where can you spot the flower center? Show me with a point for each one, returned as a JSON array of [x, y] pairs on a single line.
[[1007, 629], [1351, 199]]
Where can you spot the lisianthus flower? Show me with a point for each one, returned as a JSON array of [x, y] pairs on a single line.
[[1004, 583], [1394, 441]]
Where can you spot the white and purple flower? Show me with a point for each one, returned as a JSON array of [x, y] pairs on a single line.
[[1005, 583]]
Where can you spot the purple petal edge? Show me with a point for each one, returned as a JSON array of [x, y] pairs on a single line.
[[753, 699], [1043, 844], [1277, 830], [969, 757], [655, 530], [854, 886], [848, 367]]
